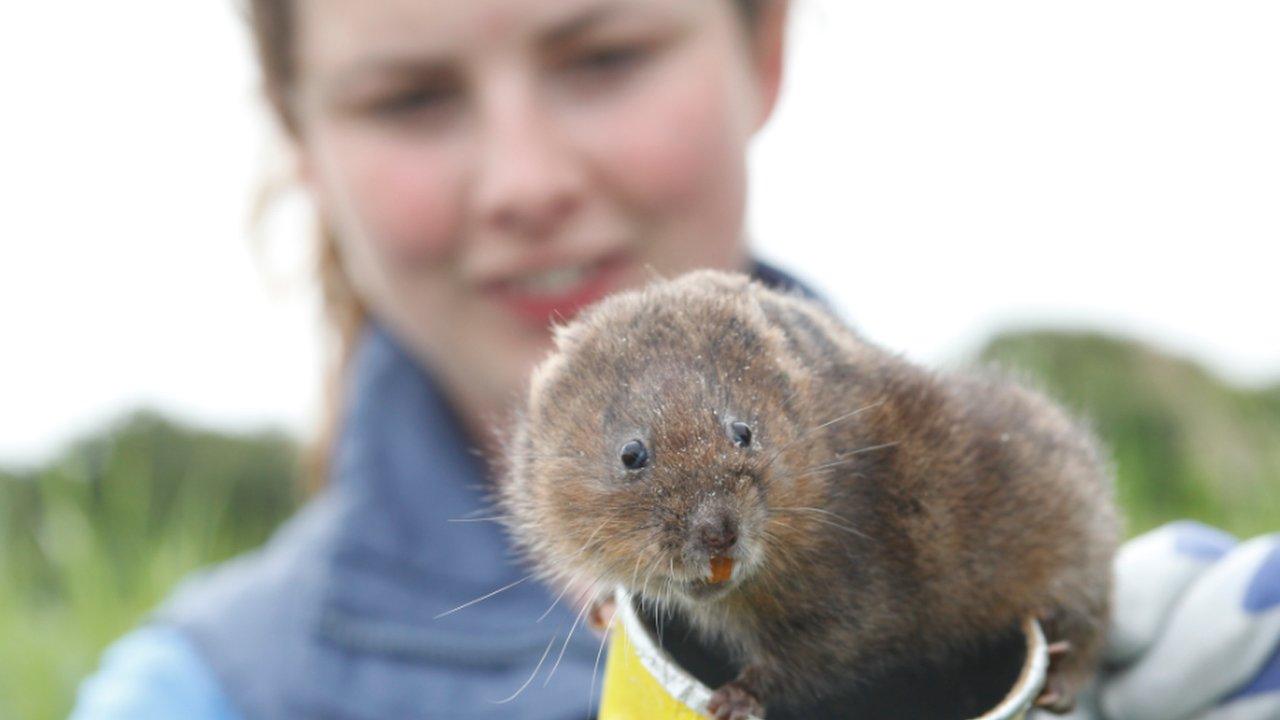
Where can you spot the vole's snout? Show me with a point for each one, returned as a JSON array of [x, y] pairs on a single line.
[[717, 532]]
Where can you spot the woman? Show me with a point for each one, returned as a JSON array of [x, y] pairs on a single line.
[[479, 169]]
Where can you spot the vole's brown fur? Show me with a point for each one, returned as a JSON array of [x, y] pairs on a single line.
[[881, 510]]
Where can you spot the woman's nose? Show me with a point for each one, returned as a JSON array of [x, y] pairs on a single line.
[[529, 179]]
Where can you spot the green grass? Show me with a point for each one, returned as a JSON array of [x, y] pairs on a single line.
[[92, 541], [97, 538]]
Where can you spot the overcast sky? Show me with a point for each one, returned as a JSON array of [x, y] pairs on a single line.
[[940, 170]]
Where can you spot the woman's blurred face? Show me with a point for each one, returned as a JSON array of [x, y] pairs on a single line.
[[490, 165]]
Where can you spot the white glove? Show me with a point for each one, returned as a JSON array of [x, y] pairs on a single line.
[[1195, 631]]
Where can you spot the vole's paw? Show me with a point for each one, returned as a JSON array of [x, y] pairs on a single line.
[[1060, 684], [600, 613], [1056, 695], [734, 702]]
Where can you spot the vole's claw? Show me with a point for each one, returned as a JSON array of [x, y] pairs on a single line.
[[734, 702], [1054, 697]]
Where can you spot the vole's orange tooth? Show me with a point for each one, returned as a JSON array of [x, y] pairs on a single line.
[[721, 569]]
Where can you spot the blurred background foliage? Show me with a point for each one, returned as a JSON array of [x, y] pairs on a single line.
[[98, 536], [1185, 443], [92, 541]]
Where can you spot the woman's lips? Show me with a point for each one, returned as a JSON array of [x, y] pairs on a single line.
[[557, 294]]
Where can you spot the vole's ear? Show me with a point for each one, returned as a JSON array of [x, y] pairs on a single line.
[[714, 280], [562, 335], [539, 378]]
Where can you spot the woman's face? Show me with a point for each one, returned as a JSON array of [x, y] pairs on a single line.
[[491, 165]]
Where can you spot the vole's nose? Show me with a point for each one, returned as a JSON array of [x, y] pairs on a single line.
[[718, 533]]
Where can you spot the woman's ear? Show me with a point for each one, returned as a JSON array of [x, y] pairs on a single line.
[[769, 47]]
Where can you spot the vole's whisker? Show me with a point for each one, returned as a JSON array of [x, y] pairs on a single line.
[[532, 675], [777, 595], [778, 547], [815, 472], [526, 455], [810, 509], [841, 526], [496, 518], [482, 598], [841, 459], [870, 448], [819, 511], [487, 512], [585, 547], [635, 571], [595, 532], [822, 466], [644, 590], [808, 433], [559, 597], [588, 592], [779, 522], [848, 415], [659, 610]]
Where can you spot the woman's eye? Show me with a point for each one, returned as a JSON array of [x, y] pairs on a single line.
[[634, 455], [607, 60], [740, 433], [415, 100]]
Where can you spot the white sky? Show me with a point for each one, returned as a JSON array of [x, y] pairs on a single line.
[[939, 169]]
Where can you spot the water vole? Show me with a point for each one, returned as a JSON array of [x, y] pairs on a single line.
[[821, 506]]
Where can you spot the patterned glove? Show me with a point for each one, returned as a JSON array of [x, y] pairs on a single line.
[[1195, 631]]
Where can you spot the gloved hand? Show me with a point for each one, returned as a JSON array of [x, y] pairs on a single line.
[[1195, 631]]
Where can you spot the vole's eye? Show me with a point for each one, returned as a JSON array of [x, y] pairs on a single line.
[[635, 455], [740, 432]]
